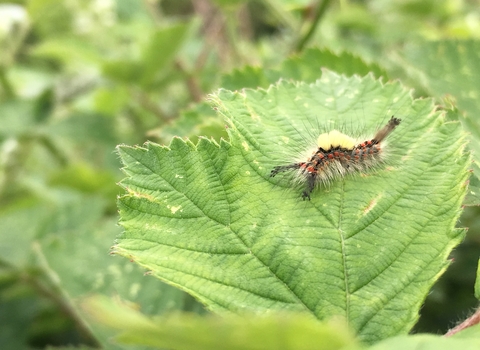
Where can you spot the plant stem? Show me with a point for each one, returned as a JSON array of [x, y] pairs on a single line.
[[53, 291], [469, 322], [144, 100], [285, 17], [321, 8], [5, 84], [193, 85], [54, 150]]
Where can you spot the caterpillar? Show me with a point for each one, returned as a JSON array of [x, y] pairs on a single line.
[[337, 155]]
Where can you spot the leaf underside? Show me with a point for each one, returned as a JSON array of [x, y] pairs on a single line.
[[208, 219]]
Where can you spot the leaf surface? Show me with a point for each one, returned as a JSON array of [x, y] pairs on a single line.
[[450, 67], [208, 218]]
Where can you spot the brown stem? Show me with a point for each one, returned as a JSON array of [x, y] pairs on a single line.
[[192, 84], [471, 321], [320, 11], [214, 30], [146, 102]]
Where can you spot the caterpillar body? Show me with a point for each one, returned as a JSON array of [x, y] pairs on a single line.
[[337, 155]]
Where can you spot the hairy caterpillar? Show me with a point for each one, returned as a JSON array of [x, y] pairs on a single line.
[[337, 155]]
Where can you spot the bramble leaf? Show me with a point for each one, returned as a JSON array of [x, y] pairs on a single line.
[[208, 219], [306, 67], [450, 68]]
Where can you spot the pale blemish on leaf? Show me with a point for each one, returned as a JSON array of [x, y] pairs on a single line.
[[174, 209], [353, 94], [143, 195], [285, 139], [256, 117], [373, 203], [245, 146]]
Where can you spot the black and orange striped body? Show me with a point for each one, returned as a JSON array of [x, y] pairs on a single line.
[[326, 165]]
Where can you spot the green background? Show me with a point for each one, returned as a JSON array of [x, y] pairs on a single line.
[[78, 78]]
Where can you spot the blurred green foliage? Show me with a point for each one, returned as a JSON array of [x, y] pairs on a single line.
[[79, 77]]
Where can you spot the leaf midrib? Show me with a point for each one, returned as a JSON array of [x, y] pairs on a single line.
[[249, 250]]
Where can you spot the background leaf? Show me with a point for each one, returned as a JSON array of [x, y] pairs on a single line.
[[158, 56], [306, 67], [188, 331], [213, 223], [72, 87], [451, 67], [68, 259]]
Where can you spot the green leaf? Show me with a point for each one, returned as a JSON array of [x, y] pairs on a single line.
[[208, 218], [247, 77], [473, 194], [68, 241], [20, 226], [51, 17], [18, 117], [188, 331], [160, 52], [156, 59], [80, 126], [305, 67], [451, 67], [123, 70], [65, 49], [200, 119], [111, 100]]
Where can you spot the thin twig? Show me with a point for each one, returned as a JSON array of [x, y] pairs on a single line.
[[321, 8], [143, 99], [276, 8], [53, 291], [5, 84], [192, 83], [214, 29], [154, 10]]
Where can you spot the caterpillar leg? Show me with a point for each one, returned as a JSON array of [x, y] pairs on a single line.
[[282, 168], [310, 186]]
